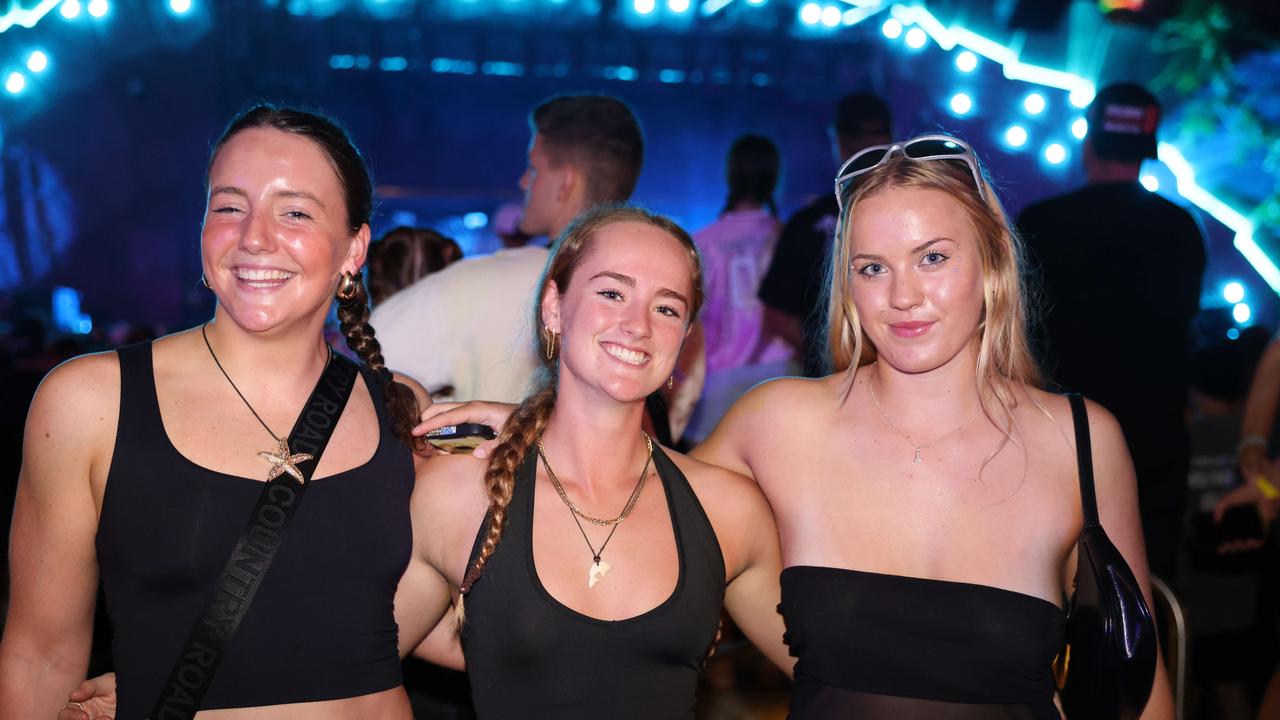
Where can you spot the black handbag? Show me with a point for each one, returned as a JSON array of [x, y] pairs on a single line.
[[1107, 665]]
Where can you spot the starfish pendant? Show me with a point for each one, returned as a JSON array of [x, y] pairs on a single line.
[[283, 461], [917, 459], [597, 572]]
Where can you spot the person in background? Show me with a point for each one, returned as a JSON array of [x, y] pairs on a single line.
[[1260, 471], [585, 150], [1120, 336], [792, 289], [403, 256], [736, 250]]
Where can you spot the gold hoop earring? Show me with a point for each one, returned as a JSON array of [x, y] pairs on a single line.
[[347, 287], [671, 381], [550, 336]]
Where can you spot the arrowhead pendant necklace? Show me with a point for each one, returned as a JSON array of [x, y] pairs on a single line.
[[918, 447], [599, 568], [282, 460]]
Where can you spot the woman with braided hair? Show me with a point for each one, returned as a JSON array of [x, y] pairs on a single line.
[[143, 465], [595, 582]]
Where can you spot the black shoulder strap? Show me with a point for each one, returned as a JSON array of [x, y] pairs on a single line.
[[234, 590], [1084, 459]]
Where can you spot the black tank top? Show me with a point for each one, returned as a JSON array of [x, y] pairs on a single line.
[[321, 626], [529, 656]]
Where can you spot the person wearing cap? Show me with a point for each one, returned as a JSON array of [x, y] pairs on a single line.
[[792, 288], [1120, 270]]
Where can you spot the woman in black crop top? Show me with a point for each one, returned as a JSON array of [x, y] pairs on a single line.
[[927, 492], [566, 616], [143, 465]]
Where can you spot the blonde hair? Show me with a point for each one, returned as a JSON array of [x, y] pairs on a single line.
[[1004, 354], [529, 419]]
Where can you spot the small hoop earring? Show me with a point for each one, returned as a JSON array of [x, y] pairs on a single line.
[[550, 336], [671, 381], [347, 287], [205, 282]]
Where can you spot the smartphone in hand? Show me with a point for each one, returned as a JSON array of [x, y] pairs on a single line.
[[460, 438]]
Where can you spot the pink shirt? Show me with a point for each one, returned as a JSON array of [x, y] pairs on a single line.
[[736, 250]]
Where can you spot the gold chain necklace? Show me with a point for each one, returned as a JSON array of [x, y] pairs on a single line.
[[599, 568], [918, 447], [283, 460]]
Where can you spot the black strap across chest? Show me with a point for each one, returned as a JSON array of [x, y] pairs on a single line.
[[238, 583]]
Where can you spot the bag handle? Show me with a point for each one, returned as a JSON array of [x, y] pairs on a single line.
[[1084, 459], [238, 583]]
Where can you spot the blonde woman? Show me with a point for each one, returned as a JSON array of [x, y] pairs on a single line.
[[926, 493]]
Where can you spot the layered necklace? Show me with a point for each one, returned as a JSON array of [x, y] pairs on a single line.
[[918, 446], [282, 460], [599, 568]]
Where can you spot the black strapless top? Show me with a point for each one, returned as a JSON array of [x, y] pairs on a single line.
[[875, 646]]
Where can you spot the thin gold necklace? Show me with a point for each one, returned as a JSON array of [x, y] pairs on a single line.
[[918, 446], [599, 568], [282, 460]]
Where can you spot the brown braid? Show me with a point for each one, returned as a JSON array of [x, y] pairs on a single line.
[[353, 318], [519, 434], [529, 419]]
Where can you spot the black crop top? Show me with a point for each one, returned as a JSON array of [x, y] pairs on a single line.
[[529, 656], [321, 626], [887, 647]]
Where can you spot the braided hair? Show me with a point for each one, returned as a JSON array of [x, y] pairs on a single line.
[[530, 418], [357, 192]]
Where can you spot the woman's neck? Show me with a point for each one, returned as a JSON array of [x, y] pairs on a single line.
[[595, 444], [934, 397], [281, 357]]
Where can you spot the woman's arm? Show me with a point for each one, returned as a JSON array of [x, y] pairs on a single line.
[[53, 563], [1117, 495], [447, 508], [1260, 414], [752, 597]]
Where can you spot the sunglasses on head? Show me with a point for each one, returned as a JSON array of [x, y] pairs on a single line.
[[924, 147]]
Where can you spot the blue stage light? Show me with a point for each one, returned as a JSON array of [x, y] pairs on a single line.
[[644, 7], [393, 63], [831, 16], [15, 83], [98, 8], [891, 28], [37, 61], [180, 7], [1233, 292], [678, 6], [811, 13], [1241, 313], [474, 220], [1015, 136], [755, 2], [961, 103], [1150, 182], [70, 9], [966, 61], [1081, 96], [916, 38], [1079, 128], [1034, 103], [1055, 153], [1233, 334]]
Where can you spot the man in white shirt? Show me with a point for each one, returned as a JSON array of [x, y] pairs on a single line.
[[467, 327]]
